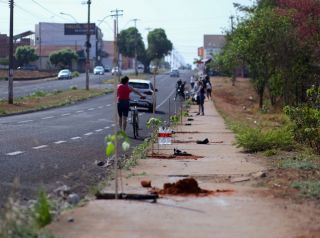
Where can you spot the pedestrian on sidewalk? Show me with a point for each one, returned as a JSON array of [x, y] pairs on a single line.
[[192, 81], [123, 95], [200, 97], [208, 86]]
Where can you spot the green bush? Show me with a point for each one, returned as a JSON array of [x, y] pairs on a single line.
[[73, 87], [75, 74], [255, 139]]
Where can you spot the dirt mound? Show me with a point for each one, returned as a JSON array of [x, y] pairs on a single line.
[[187, 186]]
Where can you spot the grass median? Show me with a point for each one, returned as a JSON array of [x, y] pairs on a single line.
[[40, 100]]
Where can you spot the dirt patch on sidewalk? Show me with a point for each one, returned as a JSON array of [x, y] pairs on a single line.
[[187, 187], [174, 157]]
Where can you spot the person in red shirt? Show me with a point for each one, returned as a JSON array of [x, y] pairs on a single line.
[[123, 95]]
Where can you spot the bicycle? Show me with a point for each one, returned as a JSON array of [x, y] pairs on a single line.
[[135, 120]]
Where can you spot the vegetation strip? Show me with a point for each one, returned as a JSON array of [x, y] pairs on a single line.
[[41, 100]]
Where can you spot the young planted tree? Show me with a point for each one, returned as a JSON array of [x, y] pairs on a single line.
[[25, 54], [63, 58]]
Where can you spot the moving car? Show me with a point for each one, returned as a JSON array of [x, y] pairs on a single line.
[[98, 70], [65, 74], [146, 88], [115, 71], [174, 73]]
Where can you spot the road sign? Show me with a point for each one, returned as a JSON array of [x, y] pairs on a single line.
[[164, 136]]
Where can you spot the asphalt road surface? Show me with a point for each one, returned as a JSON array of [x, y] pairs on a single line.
[[60, 146]]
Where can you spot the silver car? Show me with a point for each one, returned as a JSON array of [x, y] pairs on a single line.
[[98, 70], [146, 88], [65, 74]]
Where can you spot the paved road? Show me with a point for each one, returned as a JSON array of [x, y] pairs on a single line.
[[23, 88], [60, 146]]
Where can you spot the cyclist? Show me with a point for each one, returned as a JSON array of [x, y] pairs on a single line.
[[123, 95]]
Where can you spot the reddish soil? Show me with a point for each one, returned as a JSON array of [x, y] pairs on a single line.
[[146, 183], [174, 157], [27, 74], [186, 187]]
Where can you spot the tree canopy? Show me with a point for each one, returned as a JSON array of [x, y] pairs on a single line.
[[25, 54], [63, 58]]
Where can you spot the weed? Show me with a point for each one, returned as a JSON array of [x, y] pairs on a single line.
[[270, 153], [42, 210], [310, 189], [73, 87], [39, 93]]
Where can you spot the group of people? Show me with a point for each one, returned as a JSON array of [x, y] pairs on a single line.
[[201, 87]]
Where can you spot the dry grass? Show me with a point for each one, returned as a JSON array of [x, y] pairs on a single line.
[[241, 103], [47, 100]]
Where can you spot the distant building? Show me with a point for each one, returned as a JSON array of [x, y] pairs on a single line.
[[213, 44], [50, 37], [19, 40]]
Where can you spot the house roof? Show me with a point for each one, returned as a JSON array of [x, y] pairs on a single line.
[[214, 41]]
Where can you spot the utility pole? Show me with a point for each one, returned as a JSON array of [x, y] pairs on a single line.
[[116, 13], [135, 46], [10, 72], [88, 46]]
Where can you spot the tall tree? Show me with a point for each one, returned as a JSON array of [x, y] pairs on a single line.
[[158, 44], [130, 40], [25, 54]]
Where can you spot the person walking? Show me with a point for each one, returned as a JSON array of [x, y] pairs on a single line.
[[200, 97], [123, 105], [208, 86], [192, 81]]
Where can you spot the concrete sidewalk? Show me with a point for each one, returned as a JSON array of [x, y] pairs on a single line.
[[246, 212]]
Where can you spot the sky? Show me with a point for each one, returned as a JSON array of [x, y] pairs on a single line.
[[184, 21]]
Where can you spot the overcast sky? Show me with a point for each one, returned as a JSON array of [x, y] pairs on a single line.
[[185, 21]]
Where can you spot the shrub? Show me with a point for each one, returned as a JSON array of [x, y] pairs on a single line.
[[254, 139], [39, 93], [306, 125], [42, 210], [73, 87], [75, 74]]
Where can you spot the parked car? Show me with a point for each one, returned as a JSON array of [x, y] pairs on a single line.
[[65, 74], [28, 67], [146, 88], [98, 70], [115, 71], [175, 73]]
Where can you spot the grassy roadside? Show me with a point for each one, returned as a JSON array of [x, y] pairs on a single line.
[[294, 171], [41, 100]]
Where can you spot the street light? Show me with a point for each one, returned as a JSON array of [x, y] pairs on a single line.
[[67, 14]]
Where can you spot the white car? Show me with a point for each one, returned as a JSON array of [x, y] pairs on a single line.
[[65, 74], [146, 88], [115, 71], [98, 70]]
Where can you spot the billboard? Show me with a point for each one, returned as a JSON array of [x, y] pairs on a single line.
[[79, 29]]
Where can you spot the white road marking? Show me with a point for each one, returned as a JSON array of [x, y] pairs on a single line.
[[163, 102], [100, 107], [91, 109], [60, 142], [75, 138], [113, 125], [108, 105], [107, 127], [66, 114], [89, 134], [79, 111], [39, 147], [26, 121], [15, 153], [46, 118], [99, 130]]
